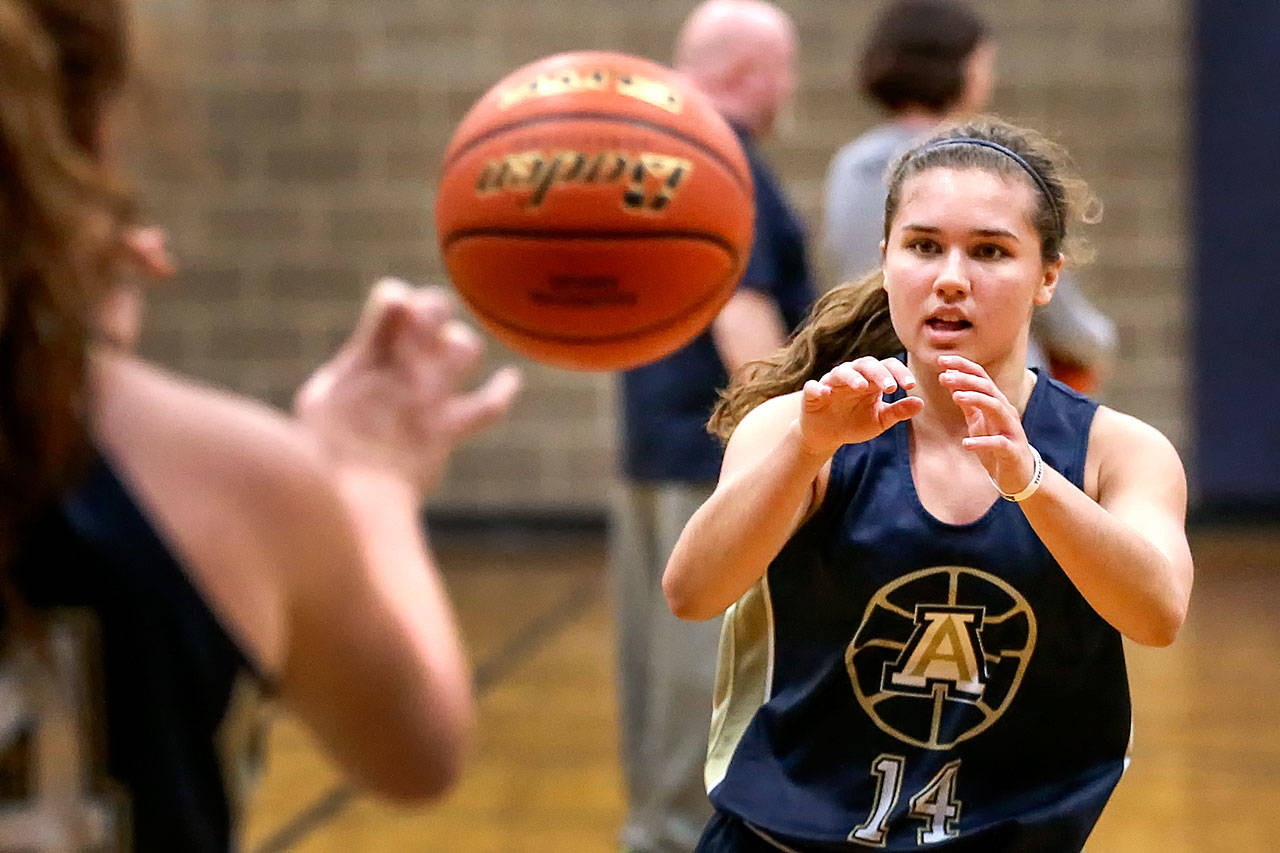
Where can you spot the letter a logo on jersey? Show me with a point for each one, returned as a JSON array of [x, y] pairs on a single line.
[[945, 650]]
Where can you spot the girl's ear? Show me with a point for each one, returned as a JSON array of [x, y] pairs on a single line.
[[1049, 283]]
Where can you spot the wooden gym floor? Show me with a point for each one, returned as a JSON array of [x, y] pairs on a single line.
[[1206, 761]]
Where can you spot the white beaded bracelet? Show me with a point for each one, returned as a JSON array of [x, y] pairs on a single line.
[[1031, 487]]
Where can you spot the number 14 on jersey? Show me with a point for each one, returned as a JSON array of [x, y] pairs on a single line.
[[935, 804]]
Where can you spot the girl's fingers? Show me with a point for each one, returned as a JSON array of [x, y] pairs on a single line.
[[959, 381], [815, 395], [998, 411], [901, 410], [901, 373], [962, 364], [988, 443], [846, 376], [876, 373]]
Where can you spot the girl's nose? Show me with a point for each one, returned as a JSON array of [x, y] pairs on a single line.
[[953, 279]]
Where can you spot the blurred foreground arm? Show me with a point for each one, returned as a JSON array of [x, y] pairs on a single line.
[[375, 663]]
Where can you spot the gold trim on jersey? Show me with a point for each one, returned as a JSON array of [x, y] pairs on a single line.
[[744, 675]]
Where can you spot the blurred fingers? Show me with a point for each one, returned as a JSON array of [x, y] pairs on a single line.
[[385, 312], [461, 346], [471, 412], [432, 308]]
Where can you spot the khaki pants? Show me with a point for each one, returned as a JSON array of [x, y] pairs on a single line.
[[666, 672]]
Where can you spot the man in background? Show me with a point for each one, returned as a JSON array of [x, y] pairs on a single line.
[[741, 54]]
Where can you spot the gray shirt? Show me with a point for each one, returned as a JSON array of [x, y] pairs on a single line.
[[854, 198]]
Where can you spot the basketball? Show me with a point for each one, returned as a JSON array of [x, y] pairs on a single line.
[[594, 211]]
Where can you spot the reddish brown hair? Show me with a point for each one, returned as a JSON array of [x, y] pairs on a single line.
[[61, 217]]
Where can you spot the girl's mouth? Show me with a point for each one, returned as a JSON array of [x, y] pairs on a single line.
[[940, 325]]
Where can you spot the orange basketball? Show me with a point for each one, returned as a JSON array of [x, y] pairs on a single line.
[[594, 211]]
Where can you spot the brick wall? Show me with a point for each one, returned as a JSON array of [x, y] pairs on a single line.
[[292, 146]]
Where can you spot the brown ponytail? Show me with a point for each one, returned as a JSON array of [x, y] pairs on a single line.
[[849, 321]]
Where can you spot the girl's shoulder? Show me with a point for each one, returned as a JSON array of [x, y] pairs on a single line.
[[1115, 433], [1122, 447]]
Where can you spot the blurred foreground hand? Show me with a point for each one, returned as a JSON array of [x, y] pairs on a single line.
[[392, 398]]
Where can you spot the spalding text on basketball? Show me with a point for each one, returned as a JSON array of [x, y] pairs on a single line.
[[648, 181], [593, 80]]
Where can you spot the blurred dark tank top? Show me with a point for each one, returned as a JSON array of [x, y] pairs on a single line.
[[171, 708]]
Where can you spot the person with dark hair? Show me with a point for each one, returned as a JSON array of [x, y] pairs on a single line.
[[925, 61], [168, 551], [927, 565], [741, 55]]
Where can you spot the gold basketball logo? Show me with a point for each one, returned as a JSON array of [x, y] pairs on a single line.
[[940, 654]]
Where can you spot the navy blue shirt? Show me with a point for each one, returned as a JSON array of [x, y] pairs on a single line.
[[900, 682], [666, 404], [166, 669]]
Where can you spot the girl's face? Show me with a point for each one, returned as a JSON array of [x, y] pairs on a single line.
[[962, 265]]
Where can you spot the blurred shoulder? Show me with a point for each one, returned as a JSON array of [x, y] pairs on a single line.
[[141, 409], [237, 491]]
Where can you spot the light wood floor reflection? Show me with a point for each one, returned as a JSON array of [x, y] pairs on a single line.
[[1206, 757]]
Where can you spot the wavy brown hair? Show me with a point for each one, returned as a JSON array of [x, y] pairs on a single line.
[[852, 320], [61, 221]]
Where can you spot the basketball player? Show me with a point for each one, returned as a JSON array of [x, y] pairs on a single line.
[[210, 547], [925, 61], [741, 54], [928, 565]]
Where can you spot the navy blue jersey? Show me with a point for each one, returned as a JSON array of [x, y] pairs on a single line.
[[898, 682], [666, 404], [174, 692]]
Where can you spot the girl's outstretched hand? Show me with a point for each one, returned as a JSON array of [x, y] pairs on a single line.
[[995, 426], [847, 404]]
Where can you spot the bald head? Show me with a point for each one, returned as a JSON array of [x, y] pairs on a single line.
[[741, 53]]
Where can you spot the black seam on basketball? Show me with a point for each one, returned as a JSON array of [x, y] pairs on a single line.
[[744, 183], [586, 234], [713, 294]]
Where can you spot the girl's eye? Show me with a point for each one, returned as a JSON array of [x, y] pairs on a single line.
[[924, 246], [990, 252]]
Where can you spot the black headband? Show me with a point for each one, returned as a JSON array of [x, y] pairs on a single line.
[[1012, 155]]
